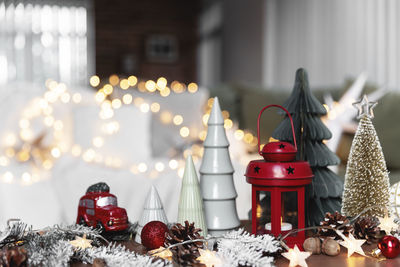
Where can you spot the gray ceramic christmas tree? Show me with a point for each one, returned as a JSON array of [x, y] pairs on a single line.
[[326, 191], [153, 211], [216, 177], [191, 206]]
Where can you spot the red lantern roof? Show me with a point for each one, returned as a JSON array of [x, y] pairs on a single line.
[[279, 151]]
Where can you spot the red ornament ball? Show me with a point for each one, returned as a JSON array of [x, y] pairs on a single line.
[[153, 234], [389, 246]]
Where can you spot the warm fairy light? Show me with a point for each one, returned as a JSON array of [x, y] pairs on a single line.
[[114, 80], [138, 101], [166, 117], [173, 164], [106, 104], [48, 110], [100, 96], [10, 152], [150, 86], [155, 107], [160, 166], [106, 113], [161, 83], [165, 92], [202, 135], [110, 128], [296, 257], [142, 167], [205, 119], [184, 131], [210, 102], [10, 139], [134, 169], [65, 98], [4, 161], [88, 155], [48, 121], [56, 152], [53, 85], [353, 245], [23, 155], [144, 107], [387, 224], [76, 150], [77, 97], [47, 164], [228, 124], [181, 171], [58, 125], [127, 99], [108, 89], [178, 120], [192, 88], [116, 103], [225, 114], [8, 177], [124, 84], [94, 81], [209, 258], [132, 80], [141, 86], [26, 134], [26, 177], [50, 96], [248, 138], [177, 87], [98, 141], [239, 134]]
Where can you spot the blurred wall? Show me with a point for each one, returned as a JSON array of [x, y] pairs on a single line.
[[124, 28]]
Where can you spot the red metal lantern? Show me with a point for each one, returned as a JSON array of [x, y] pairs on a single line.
[[282, 179]]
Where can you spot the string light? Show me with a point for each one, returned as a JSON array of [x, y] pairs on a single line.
[[114, 79], [124, 84], [94, 81], [178, 119], [132, 80], [184, 131], [127, 99]]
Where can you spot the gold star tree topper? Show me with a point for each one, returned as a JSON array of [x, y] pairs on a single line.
[[353, 245], [387, 224], [81, 243], [296, 257], [365, 107]]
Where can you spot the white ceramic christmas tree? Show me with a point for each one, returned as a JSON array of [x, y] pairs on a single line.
[[190, 201], [216, 177], [153, 211]]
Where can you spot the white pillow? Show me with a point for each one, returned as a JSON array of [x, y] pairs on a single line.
[[131, 143]]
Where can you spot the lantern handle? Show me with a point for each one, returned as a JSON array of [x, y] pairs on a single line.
[[258, 125]]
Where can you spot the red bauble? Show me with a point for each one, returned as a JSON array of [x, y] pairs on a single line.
[[153, 234], [389, 246]]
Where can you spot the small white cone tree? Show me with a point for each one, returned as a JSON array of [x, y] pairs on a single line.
[[191, 207], [153, 211], [216, 177]]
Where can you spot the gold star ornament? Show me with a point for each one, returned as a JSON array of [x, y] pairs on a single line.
[[209, 258], [353, 245], [387, 224], [81, 243], [365, 107], [296, 257]]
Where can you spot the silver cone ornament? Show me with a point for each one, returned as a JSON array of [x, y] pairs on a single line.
[[216, 177], [190, 201], [153, 211]]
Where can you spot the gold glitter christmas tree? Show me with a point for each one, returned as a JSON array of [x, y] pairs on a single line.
[[366, 180]]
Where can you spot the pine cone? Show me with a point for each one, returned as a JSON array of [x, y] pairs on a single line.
[[186, 254], [13, 257], [366, 228], [335, 220]]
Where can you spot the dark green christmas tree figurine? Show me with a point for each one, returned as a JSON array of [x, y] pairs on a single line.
[[325, 192]]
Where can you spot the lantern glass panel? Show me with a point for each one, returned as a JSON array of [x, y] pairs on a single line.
[[289, 210], [263, 210]]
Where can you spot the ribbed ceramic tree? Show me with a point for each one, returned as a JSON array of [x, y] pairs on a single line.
[[324, 195], [190, 201], [366, 180], [153, 211], [216, 177]]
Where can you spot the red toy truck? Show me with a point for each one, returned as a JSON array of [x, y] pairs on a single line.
[[98, 208]]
